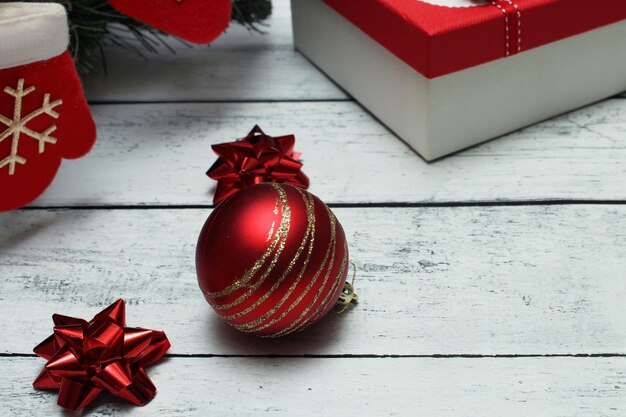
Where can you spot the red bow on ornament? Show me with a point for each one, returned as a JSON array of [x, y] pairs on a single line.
[[86, 358], [255, 159]]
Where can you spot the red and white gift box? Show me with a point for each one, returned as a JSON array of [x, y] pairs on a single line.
[[448, 74]]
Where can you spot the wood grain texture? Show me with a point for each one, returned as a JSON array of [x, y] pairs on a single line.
[[159, 153], [440, 281], [304, 387], [481, 280], [240, 65]]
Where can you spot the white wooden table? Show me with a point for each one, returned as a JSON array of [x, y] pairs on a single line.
[[493, 282]]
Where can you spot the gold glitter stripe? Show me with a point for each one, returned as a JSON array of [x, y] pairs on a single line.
[[304, 313], [284, 234], [279, 239], [303, 243], [271, 232], [310, 233], [318, 311], [339, 282], [333, 225], [311, 217], [317, 314], [330, 251]]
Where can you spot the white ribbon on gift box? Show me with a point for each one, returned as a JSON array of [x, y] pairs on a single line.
[[31, 32], [457, 3], [512, 39]]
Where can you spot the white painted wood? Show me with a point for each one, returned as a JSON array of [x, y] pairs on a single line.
[[211, 73], [482, 280], [538, 387], [240, 65], [490, 280], [159, 153]]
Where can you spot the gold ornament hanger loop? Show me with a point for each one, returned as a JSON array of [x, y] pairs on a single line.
[[348, 297]]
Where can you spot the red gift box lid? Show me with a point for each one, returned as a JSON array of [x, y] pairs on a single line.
[[437, 40]]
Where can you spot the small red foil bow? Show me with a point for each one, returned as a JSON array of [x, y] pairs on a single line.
[[255, 159], [86, 358]]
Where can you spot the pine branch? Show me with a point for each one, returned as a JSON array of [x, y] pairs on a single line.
[[249, 13], [95, 24]]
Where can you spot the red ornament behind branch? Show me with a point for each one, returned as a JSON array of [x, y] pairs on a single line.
[[197, 21], [86, 358], [255, 159]]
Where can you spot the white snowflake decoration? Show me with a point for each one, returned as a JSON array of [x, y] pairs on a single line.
[[18, 125]]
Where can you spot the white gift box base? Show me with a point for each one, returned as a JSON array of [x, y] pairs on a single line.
[[442, 115]]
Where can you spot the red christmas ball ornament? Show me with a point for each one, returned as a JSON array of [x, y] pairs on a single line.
[[272, 260]]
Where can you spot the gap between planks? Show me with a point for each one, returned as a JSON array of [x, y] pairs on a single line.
[[235, 101], [373, 356], [520, 203]]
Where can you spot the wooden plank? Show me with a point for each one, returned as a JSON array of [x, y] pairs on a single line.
[[303, 387], [158, 154], [211, 74], [465, 280], [240, 65]]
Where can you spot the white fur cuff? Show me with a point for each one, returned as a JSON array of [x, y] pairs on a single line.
[[31, 32]]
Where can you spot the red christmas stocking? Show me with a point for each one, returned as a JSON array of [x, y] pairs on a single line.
[[43, 113], [197, 21]]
